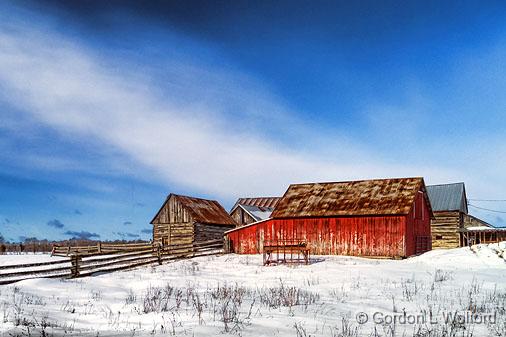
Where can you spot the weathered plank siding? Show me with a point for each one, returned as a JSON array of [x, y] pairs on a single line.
[[181, 220], [242, 217], [472, 221], [173, 212], [175, 233], [445, 229], [360, 236], [173, 224], [418, 225], [205, 232]]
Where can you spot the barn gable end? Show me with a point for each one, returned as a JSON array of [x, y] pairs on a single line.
[[172, 211], [183, 220]]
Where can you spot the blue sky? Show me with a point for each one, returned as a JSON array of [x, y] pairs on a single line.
[[106, 107]]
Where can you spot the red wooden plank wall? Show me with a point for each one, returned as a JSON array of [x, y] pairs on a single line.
[[360, 236], [418, 224]]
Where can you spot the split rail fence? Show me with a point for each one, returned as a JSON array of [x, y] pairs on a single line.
[[104, 258]]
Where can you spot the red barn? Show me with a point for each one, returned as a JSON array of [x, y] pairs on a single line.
[[380, 218]]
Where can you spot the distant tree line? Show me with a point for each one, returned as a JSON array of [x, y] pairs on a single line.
[[34, 245]]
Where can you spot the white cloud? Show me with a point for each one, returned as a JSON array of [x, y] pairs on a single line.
[[205, 129]]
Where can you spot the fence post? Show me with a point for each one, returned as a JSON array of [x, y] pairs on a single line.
[[99, 246], [76, 261], [52, 250], [159, 253], [226, 245]]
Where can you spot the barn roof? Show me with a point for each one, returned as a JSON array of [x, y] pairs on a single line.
[[202, 210], [256, 212], [364, 197], [270, 202], [448, 197]]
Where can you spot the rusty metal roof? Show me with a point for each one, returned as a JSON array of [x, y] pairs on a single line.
[[205, 211], [270, 202], [364, 197], [202, 210]]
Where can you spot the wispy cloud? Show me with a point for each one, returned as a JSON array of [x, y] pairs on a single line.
[[126, 235], [65, 85], [126, 223], [221, 132], [83, 235], [55, 223], [147, 231]]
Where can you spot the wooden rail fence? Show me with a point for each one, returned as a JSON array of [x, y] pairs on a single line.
[[99, 249], [86, 261]]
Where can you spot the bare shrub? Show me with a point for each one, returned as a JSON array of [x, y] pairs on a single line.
[[410, 288], [340, 294], [156, 299], [441, 275], [283, 296], [300, 330], [131, 297], [347, 329]]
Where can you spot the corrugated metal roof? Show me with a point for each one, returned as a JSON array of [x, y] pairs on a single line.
[[258, 201], [365, 197], [257, 212], [448, 197]]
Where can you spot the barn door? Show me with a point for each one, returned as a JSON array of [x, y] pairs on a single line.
[[423, 244]]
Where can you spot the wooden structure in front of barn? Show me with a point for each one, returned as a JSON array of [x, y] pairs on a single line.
[[376, 218], [249, 210], [186, 220], [482, 234]]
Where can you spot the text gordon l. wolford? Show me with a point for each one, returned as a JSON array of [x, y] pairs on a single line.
[[466, 317]]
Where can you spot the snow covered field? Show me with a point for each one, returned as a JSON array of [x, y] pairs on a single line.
[[11, 259], [234, 295]]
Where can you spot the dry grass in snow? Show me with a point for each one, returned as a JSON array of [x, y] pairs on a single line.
[[234, 295]]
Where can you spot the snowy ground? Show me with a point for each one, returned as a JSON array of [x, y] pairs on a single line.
[[234, 295], [13, 259]]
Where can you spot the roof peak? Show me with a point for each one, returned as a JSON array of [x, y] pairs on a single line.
[[201, 210], [459, 183], [356, 181], [257, 201], [190, 197], [390, 196]]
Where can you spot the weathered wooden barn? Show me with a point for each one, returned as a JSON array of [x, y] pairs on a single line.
[[380, 218], [249, 210], [453, 226], [449, 204], [184, 220]]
